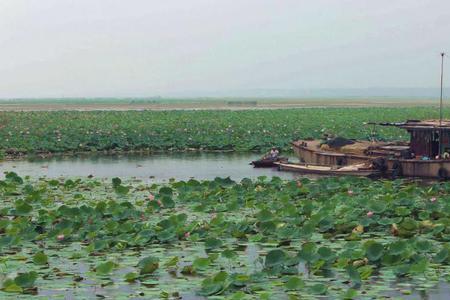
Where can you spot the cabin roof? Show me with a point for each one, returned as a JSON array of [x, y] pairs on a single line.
[[425, 125]]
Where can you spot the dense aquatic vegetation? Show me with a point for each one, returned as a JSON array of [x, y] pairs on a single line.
[[251, 130], [341, 238]]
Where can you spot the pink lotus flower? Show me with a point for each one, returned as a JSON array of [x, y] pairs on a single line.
[[433, 199], [60, 237], [151, 197], [370, 214], [187, 234], [160, 203], [350, 192]]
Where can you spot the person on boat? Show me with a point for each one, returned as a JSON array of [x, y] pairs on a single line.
[[274, 153]]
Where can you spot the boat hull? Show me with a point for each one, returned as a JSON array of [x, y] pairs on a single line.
[[422, 168], [310, 152], [326, 170], [268, 163]]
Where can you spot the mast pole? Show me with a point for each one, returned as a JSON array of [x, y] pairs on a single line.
[[440, 106], [442, 78]]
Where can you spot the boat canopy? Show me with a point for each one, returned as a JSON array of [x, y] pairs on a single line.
[[418, 125], [429, 138]]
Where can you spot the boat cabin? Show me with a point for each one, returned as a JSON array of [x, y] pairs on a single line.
[[427, 154], [429, 139]]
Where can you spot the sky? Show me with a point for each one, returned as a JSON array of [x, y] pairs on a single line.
[[116, 48]]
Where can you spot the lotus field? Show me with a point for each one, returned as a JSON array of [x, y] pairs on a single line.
[[251, 130], [264, 239]]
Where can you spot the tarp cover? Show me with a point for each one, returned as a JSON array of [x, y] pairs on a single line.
[[338, 142]]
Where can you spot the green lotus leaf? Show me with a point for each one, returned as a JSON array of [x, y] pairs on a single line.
[[131, 277], [377, 207], [353, 274], [26, 280], [148, 265], [408, 224], [419, 267], [294, 283], [374, 250], [166, 191], [326, 223], [201, 263], [104, 268], [116, 181], [365, 272], [275, 258], [53, 182], [385, 221], [265, 215], [268, 226], [13, 177], [214, 285], [10, 286], [307, 229], [166, 235], [168, 202], [350, 294], [40, 258], [397, 247], [424, 215], [6, 241], [229, 254], [23, 208], [402, 211], [210, 288], [326, 253], [319, 289], [240, 280], [442, 256], [212, 243], [122, 190], [240, 295], [69, 183], [423, 245], [172, 262], [308, 252]]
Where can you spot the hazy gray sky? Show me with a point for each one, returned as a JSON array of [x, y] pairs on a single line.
[[54, 48]]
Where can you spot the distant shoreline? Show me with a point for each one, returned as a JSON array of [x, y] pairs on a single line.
[[204, 104]]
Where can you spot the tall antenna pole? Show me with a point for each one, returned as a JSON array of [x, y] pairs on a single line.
[[440, 106], [442, 78]]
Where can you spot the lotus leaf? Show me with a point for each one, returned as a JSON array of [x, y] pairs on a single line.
[[148, 265]]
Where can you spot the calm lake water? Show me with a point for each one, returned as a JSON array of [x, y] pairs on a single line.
[[156, 167]]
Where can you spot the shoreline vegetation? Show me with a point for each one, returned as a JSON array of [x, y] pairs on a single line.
[[54, 132], [243, 103]]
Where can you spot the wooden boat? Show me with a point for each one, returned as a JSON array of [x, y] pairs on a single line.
[[268, 163], [353, 170], [426, 155]]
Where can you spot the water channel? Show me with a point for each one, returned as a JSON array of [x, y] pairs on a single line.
[[156, 167]]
